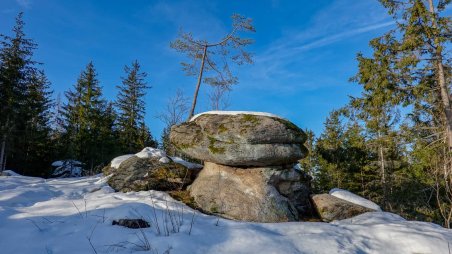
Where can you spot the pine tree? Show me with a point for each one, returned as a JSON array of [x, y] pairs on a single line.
[[330, 173], [212, 60], [420, 63], [35, 142], [107, 136], [84, 115], [58, 129], [341, 155], [25, 103], [377, 108], [134, 134]]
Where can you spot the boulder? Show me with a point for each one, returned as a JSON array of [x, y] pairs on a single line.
[[260, 194], [240, 140], [141, 174], [332, 208], [353, 198]]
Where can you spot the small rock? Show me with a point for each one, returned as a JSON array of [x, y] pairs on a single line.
[[332, 208], [131, 223]]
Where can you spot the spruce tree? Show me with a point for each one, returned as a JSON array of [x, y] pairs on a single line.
[[84, 115], [25, 103], [329, 147], [35, 141], [133, 132], [341, 155]]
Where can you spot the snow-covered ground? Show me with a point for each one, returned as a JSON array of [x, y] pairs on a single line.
[[74, 215]]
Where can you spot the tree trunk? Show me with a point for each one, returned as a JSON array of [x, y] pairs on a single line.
[[201, 70], [3, 154], [383, 174], [445, 96]]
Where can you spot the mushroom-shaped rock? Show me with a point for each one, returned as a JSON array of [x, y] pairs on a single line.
[[242, 139]]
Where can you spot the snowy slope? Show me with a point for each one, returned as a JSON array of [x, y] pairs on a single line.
[[49, 216]]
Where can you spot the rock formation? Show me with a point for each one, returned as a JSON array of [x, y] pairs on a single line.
[[332, 208], [240, 140], [141, 174], [248, 172], [150, 169]]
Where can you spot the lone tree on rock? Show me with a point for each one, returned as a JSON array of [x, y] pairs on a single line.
[[215, 57]]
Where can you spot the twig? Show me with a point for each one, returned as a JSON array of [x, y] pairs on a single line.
[[89, 238], [192, 222], [36, 225], [86, 212], [78, 210], [156, 222]]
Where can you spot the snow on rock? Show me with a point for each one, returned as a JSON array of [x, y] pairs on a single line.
[[147, 152], [67, 168], [189, 165], [118, 160], [164, 160], [68, 215], [220, 112], [353, 198], [150, 152]]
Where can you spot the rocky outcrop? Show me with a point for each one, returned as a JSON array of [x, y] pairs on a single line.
[[248, 172], [261, 194], [240, 140], [332, 208], [141, 174]]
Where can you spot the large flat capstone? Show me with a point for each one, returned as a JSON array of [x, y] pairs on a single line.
[[240, 139]]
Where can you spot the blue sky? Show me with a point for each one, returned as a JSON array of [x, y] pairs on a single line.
[[304, 51]]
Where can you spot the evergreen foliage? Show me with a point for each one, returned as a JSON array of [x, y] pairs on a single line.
[[133, 132], [404, 116], [25, 100], [89, 121]]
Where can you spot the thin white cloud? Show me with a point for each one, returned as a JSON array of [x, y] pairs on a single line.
[[339, 36], [341, 21], [191, 16], [24, 3]]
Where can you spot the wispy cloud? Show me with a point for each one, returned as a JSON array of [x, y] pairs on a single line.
[[191, 16], [297, 47], [24, 3], [341, 21]]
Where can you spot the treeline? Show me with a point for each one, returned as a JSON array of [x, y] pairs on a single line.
[[36, 130], [393, 143]]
